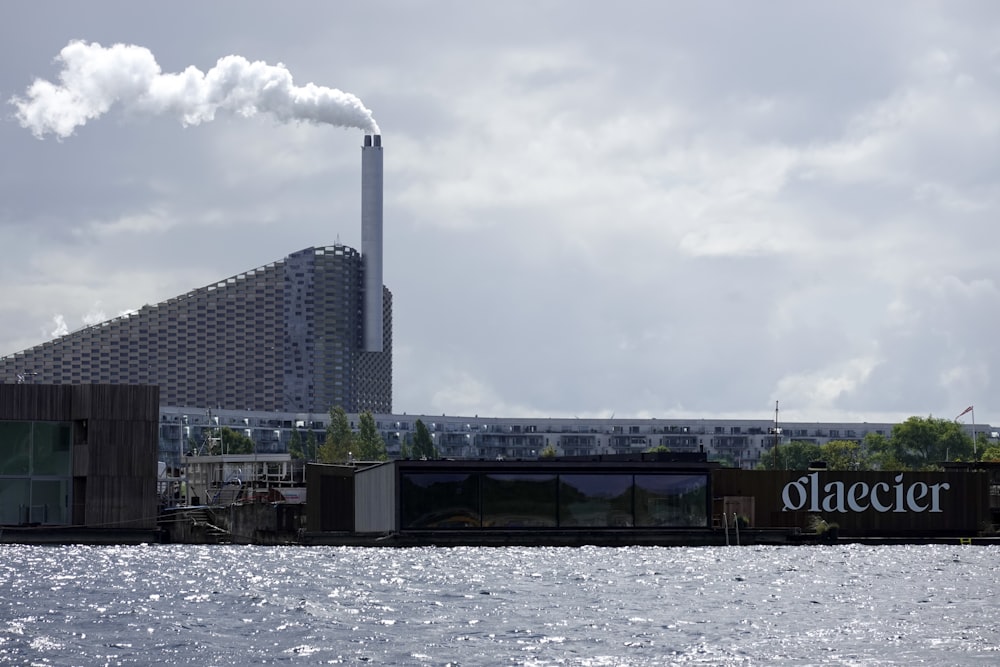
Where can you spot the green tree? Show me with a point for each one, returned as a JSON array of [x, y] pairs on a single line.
[[880, 453], [369, 443], [229, 441], [339, 444], [982, 444], [311, 448], [659, 449], [295, 449], [549, 452], [423, 443], [922, 443], [991, 453], [795, 455], [843, 455]]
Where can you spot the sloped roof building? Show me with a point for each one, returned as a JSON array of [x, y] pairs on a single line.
[[285, 337]]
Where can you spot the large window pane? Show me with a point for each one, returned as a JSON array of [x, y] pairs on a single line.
[[595, 500], [50, 501], [15, 444], [671, 501], [439, 500], [14, 501], [52, 442], [519, 501]]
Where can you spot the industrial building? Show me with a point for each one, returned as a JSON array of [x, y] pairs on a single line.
[[301, 334]]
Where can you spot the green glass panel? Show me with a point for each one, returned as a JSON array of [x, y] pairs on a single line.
[[52, 448], [600, 501], [15, 447], [671, 501], [519, 501], [49, 501], [14, 501]]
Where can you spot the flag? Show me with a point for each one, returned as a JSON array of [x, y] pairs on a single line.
[[968, 409]]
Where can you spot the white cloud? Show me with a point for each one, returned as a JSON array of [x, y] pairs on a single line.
[[61, 328]]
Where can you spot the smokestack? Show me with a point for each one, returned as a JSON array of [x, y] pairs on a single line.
[[371, 240]]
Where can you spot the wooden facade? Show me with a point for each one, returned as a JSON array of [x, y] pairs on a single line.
[[331, 498], [861, 503], [114, 447]]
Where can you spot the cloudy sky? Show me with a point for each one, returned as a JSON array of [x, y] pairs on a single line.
[[650, 209]]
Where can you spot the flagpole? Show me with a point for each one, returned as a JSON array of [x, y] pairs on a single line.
[[972, 409], [973, 431]]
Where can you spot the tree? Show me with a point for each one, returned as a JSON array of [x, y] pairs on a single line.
[[659, 449], [549, 452], [879, 453], [843, 455], [369, 443], [295, 445], [230, 442], [423, 443], [311, 448], [922, 443], [795, 455], [339, 444], [991, 453]]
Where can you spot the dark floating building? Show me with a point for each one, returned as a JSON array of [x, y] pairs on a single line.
[[78, 463], [647, 500]]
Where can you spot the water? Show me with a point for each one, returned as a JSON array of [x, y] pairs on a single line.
[[241, 605]]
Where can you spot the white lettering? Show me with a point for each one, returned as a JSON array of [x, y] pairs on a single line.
[[857, 491], [899, 493], [835, 493], [916, 492], [814, 492], [805, 492], [799, 486], [877, 504], [935, 497]]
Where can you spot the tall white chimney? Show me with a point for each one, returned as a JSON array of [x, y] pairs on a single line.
[[371, 240]]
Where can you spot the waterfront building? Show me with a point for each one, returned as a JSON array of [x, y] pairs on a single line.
[[80, 457], [736, 442]]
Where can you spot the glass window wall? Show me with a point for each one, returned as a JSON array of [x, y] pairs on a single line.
[[35, 472], [439, 500], [484, 499], [519, 501], [596, 500], [671, 501]]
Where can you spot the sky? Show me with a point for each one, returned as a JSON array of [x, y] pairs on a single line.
[[592, 209]]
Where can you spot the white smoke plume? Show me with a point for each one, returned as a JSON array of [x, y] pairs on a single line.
[[94, 78], [61, 328]]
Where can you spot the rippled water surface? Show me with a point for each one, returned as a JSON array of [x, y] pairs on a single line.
[[237, 605]]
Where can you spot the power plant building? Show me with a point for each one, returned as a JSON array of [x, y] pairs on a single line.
[[302, 334], [285, 337]]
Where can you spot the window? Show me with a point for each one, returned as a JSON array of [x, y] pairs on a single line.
[[519, 500], [599, 500], [35, 472]]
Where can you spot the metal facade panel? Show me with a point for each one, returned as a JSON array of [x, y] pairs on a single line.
[[375, 493]]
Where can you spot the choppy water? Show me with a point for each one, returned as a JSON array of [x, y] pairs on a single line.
[[239, 605]]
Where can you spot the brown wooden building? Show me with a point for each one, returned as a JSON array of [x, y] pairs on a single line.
[[78, 457], [861, 503]]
